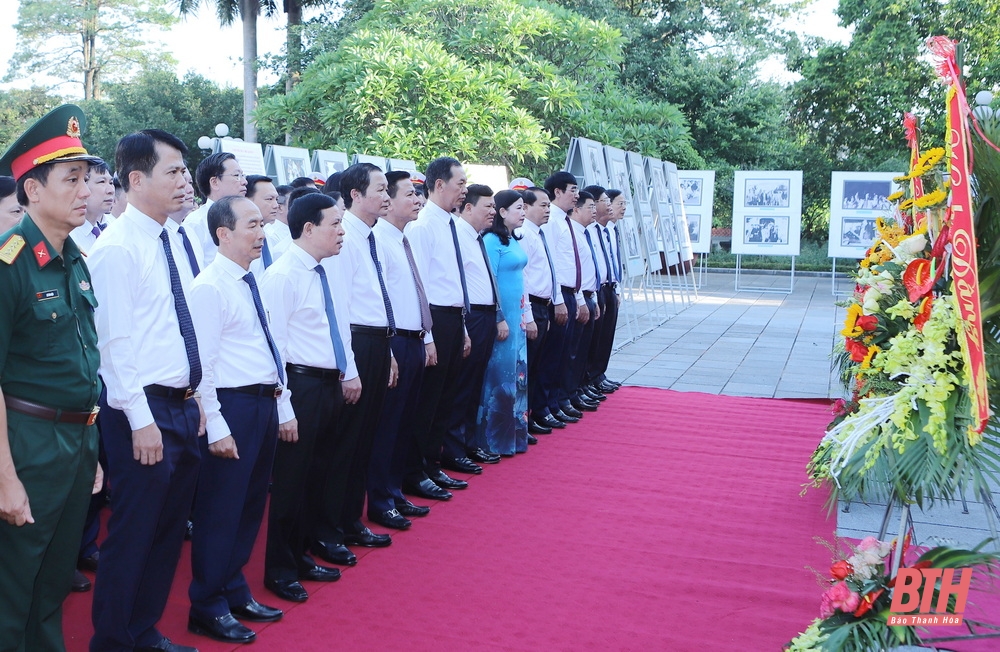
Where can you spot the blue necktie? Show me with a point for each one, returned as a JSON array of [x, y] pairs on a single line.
[[265, 255], [604, 250], [381, 282], [552, 268], [252, 282], [593, 256], [461, 265], [331, 316], [96, 231], [618, 252], [183, 315], [190, 252]]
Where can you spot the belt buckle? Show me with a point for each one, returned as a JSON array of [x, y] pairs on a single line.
[[278, 391], [390, 333], [188, 393], [341, 376], [92, 419], [423, 333]]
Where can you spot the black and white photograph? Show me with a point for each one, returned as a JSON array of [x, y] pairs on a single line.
[[694, 227], [691, 192], [630, 238], [293, 167], [332, 167], [326, 162], [659, 183], [765, 229], [857, 232], [619, 175], [641, 187], [866, 195], [769, 193]]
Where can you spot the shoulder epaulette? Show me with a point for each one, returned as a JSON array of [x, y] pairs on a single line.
[[11, 249]]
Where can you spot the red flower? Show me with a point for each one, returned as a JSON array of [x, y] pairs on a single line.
[[867, 602], [943, 238], [911, 127], [923, 314], [857, 350], [867, 322], [840, 570], [919, 277]]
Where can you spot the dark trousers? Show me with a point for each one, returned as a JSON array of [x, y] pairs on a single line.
[[576, 370], [150, 506], [394, 439], [439, 383], [92, 525], [55, 462], [298, 474], [460, 438], [604, 337], [555, 355], [536, 391], [229, 505], [344, 487]]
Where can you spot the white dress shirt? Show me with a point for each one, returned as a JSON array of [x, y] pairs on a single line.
[[434, 253], [477, 275], [197, 223], [398, 277], [84, 236], [588, 277], [279, 237], [293, 293], [561, 247], [537, 274], [600, 247], [355, 270], [196, 247], [137, 327]]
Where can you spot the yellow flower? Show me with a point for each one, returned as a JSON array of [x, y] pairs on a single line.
[[867, 362], [896, 196], [906, 205], [931, 199], [901, 179], [931, 158], [851, 328]]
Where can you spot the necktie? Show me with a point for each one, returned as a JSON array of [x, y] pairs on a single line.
[[593, 256], [195, 270], [252, 282], [381, 282], [183, 315], [552, 268], [604, 250], [331, 317], [618, 251], [426, 323], [493, 279], [96, 231], [102, 225], [461, 265], [614, 256], [576, 254], [265, 255]]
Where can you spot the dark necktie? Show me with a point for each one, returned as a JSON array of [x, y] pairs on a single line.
[[102, 225], [576, 254], [604, 250], [195, 270], [426, 323], [183, 315], [96, 231], [331, 318], [552, 268], [248, 277], [618, 251], [381, 282], [593, 256], [614, 256], [461, 265], [493, 279], [265, 255]]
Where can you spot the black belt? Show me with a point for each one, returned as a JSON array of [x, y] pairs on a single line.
[[378, 331], [479, 307], [458, 310], [169, 393], [539, 300], [270, 391], [587, 294], [51, 414], [566, 288], [402, 332], [315, 372]]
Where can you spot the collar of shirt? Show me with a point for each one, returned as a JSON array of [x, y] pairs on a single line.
[[433, 210], [529, 226], [144, 222], [385, 228], [466, 230], [354, 223], [301, 255], [230, 267], [35, 239], [556, 213]]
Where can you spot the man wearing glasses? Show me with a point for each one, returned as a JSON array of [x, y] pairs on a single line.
[[218, 176]]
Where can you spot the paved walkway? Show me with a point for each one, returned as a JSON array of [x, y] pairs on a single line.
[[767, 344]]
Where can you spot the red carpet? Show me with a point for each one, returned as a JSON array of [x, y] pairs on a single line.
[[665, 521]]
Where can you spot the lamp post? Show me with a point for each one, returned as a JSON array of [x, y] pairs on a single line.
[[214, 143]]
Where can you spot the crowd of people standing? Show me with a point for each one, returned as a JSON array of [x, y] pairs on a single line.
[[338, 347]]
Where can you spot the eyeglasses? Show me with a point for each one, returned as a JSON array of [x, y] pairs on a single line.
[[238, 175]]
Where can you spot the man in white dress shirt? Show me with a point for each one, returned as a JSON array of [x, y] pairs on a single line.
[[583, 216], [607, 298], [149, 419], [277, 233], [218, 175], [193, 250], [102, 197], [311, 330], [242, 375], [261, 191]]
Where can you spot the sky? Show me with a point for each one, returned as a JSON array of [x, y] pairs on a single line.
[[199, 44]]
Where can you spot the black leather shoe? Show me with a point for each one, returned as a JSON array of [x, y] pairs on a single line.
[[427, 489], [444, 481], [224, 628], [535, 428], [569, 411], [259, 613], [89, 563], [334, 553], [461, 465], [550, 421], [406, 508], [532, 440], [166, 645], [390, 518], [593, 393], [81, 584], [481, 456], [583, 404], [316, 573], [565, 417], [289, 590], [606, 387], [367, 539]]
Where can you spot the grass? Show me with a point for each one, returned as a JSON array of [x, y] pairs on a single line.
[[812, 258]]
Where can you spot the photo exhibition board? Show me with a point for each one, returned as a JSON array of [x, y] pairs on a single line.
[[250, 155], [644, 209], [697, 191], [287, 163], [398, 164], [494, 176], [380, 161], [857, 199], [634, 253], [680, 214], [326, 162], [767, 212], [661, 201], [585, 161]]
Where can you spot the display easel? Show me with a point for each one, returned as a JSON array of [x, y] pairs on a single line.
[[833, 282], [791, 283]]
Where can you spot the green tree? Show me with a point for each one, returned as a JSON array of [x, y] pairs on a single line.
[[20, 108], [88, 40]]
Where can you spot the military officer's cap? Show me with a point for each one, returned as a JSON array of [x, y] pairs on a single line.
[[55, 138], [521, 184]]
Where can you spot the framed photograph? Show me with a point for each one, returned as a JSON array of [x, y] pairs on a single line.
[[856, 200], [680, 219], [697, 191], [248, 154], [287, 163], [326, 162], [767, 212], [494, 176], [380, 161], [633, 249], [585, 161], [401, 164]]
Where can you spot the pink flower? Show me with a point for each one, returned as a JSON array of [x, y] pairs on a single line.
[[838, 597]]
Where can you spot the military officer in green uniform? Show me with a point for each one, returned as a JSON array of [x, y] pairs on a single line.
[[48, 383]]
